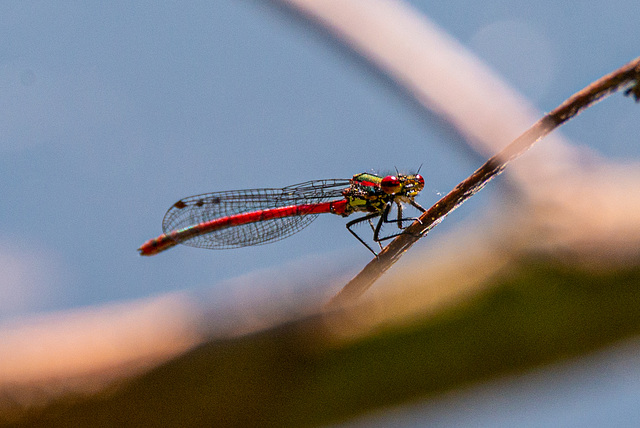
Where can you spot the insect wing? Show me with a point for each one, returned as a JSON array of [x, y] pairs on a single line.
[[203, 208]]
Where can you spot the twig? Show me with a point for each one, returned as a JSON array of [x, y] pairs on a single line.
[[625, 75]]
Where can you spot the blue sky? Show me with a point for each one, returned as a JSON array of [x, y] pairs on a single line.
[[111, 112]]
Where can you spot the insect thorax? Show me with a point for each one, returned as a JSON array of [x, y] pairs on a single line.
[[365, 195]]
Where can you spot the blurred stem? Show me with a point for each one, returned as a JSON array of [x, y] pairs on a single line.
[[596, 91]]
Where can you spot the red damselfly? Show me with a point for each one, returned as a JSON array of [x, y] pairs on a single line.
[[240, 218]]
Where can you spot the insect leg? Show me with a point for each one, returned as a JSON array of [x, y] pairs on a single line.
[[368, 218], [417, 205], [384, 219]]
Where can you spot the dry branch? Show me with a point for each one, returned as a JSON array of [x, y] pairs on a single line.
[[625, 76]]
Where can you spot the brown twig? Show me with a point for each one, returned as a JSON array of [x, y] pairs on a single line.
[[625, 75]]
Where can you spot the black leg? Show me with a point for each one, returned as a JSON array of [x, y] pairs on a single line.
[[384, 218], [373, 230], [399, 219], [368, 218]]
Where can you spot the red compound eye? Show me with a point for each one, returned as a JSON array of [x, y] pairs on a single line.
[[390, 185], [420, 181]]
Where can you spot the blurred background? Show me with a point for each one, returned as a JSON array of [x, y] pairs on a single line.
[[112, 112]]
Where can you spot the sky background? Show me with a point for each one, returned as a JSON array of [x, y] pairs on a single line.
[[112, 111]]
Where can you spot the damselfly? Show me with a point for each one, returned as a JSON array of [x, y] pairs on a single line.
[[240, 218]]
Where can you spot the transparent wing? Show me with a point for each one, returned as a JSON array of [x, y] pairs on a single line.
[[198, 209]]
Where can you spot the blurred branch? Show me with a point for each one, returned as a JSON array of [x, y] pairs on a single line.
[[296, 375], [622, 77]]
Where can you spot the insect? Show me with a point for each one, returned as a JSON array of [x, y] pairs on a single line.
[[240, 218]]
